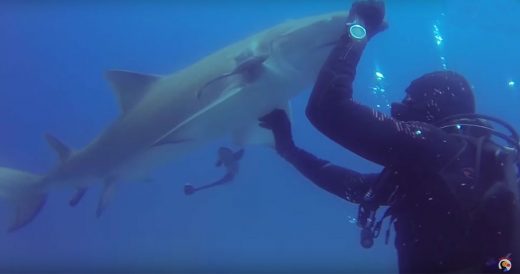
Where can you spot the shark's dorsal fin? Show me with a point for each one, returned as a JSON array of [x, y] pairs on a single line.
[[61, 149], [130, 87]]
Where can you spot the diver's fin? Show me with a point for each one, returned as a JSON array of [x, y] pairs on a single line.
[[106, 196], [239, 154], [26, 209], [130, 87], [77, 196], [253, 135], [61, 149]]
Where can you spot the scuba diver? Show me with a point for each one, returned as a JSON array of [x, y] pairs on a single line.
[[449, 184], [226, 158]]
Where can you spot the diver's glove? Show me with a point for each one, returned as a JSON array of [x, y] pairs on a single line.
[[279, 123], [371, 13]]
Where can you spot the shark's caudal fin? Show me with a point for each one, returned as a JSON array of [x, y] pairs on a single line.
[[24, 191]]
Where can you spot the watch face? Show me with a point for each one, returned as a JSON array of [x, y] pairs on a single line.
[[357, 32]]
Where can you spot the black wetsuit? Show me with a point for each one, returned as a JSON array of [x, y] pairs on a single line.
[[431, 228]]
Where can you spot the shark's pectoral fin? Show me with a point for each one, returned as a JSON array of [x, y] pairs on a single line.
[[26, 209], [130, 87], [61, 149], [253, 135], [106, 196], [77, 196]]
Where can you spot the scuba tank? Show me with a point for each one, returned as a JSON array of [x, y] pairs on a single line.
[[382, 192], [465, 126]]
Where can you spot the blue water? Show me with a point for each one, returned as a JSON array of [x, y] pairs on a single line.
[[52, 61]]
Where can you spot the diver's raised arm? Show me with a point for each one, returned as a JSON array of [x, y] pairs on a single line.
[[388, 141], [334, 83]]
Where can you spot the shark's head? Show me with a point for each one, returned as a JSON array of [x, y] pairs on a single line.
[[303, 45]]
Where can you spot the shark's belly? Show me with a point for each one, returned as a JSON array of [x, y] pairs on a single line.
[[237, 111], [127, 152], [138, 168]]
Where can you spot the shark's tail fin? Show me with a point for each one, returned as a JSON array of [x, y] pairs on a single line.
[[25, 192]]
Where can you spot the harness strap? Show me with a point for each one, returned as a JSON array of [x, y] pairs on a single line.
[[392, 221], [371, 230], [479, 144]]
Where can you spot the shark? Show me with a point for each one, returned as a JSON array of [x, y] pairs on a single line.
[[164, 117]]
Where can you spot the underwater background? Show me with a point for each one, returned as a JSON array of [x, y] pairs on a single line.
[[53, 57]]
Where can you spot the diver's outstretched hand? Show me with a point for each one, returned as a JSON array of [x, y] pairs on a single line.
[[279, 123], [371, 13]]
